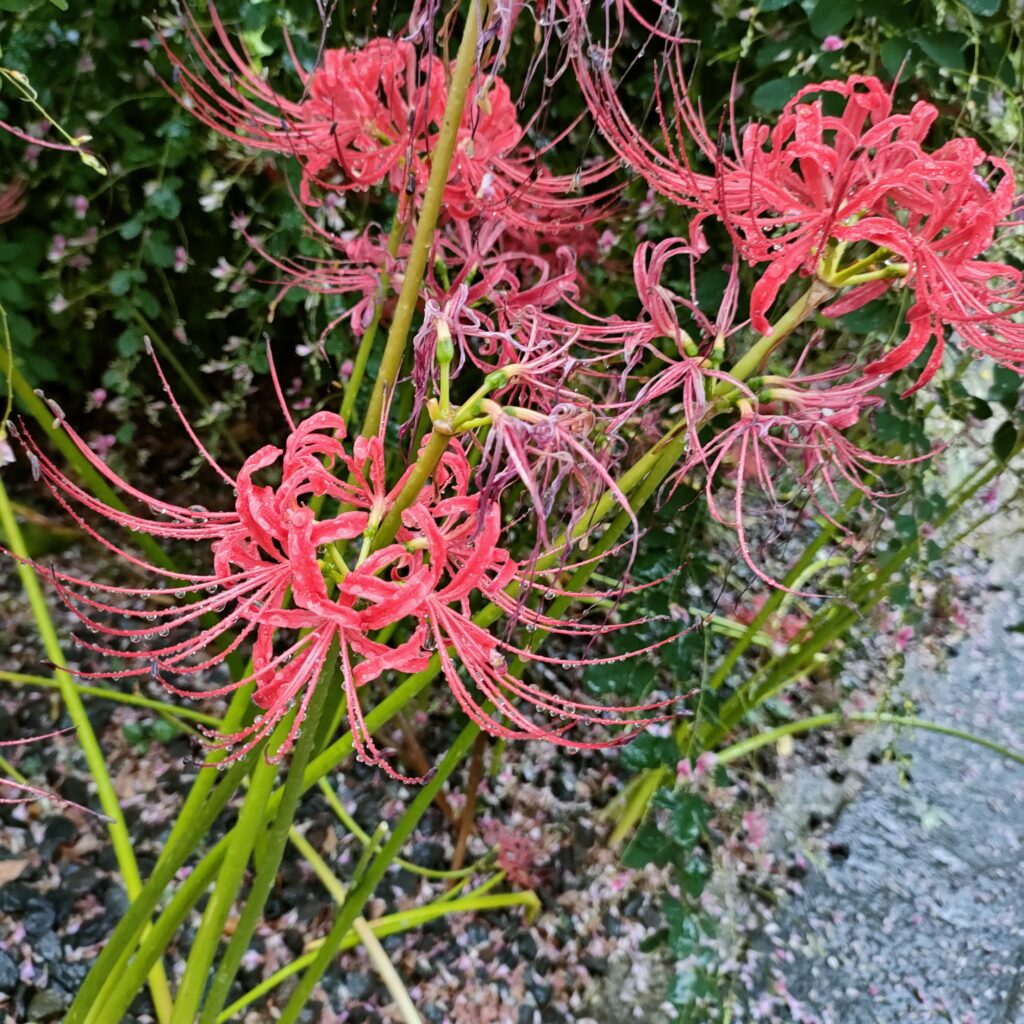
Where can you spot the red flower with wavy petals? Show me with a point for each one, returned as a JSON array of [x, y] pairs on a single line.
[[291, 585]]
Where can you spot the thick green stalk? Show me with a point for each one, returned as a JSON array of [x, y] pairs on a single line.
[[229, 880], [273, 851], [94, 758], [422, 472], [756, 356], [441, 158]]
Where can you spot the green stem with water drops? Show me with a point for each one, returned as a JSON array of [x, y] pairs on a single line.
[[423, 470], [94, 758], [273, 850], [229, 879], [419, 253]]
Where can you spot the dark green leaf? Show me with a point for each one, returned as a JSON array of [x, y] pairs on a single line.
[[774, 95], [894, 52], [830, 16], [945, 48], [1004, 441]]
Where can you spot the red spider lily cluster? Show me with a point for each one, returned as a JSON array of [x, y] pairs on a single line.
[[813, 189], [294, 585], [542, 403]]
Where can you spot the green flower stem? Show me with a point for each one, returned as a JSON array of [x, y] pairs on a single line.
[[770, 736], [366, 343], [229, 879], [441, 158], [272, 852], [111, 968], [94, 757], [133, 699], [422, 471], [755, 357], [393, 924], [366, 935]]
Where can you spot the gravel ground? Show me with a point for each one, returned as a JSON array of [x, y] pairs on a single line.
[[917, 913]]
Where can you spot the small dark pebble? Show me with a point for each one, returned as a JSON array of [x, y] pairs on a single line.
[[815, 820], [39, 917], [424, 969], [839, 851], [8, 973], [632, 908], [294, 941], [433, 1013], [526, 945], [796, 871], [48, 948], [595, 964], [14, 897], [477, 933], [68, 976], [428, 855], [115, 899], [47, 1005], [612, 925], [59, 831], [77, 881], [542, 991], [359, 984], [837, 775], [406, 881], [526, 1015]]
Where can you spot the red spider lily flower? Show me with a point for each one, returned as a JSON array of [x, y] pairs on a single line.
[[371, 115], [12, 200], [805, 446], [292, 585], [797, 194]]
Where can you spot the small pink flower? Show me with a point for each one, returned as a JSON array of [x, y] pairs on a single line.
[[58, 246], [903, 637], [181, 259], [58, 304], [102, 443], [97, 397], [830, 44], [80, 204]]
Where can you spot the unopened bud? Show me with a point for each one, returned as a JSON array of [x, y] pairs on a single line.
[[445, 346]]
